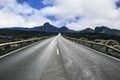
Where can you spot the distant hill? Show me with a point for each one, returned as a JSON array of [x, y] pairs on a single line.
[[87, 30], [106, 30], [47, 27], [102, 29]]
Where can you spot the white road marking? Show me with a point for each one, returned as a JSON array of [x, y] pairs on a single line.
[[58, 52]]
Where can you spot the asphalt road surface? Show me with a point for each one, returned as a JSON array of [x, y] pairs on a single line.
[[57, 58]]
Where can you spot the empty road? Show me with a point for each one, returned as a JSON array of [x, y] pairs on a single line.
[[57, 58]]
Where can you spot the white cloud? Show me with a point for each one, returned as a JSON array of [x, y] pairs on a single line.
[[47, 2], [13, 14], [91, 13]]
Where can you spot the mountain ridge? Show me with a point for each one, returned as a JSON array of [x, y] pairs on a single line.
[[47, 27]]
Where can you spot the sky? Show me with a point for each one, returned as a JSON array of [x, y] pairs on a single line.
[[75, 14]]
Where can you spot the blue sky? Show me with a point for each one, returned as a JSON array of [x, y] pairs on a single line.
[[118, 4], [75, 14], [37, 4]]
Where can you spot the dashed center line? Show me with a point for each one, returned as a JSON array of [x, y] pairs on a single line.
[[58, 52]]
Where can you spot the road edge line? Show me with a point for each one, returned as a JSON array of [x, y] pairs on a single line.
[[97, 51], [18, 50], [101, 53]]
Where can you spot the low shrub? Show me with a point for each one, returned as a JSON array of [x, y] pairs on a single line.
[[100, 41], [117, 46], [97, 40], [103, 41], [111, 42], [85, 39]]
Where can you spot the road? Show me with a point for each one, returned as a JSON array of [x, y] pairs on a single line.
[[57, 58]]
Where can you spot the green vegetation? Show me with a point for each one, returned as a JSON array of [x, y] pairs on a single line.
[[117, 46], [93, 36], [100, 41], [16, 35], [112, 42], [85, 39], [107, 42]]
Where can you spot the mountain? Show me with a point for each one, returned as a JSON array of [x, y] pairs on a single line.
[[47, 27], [106, 30], [102, 29], [87, 30], [65, 29], [17, 28]]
